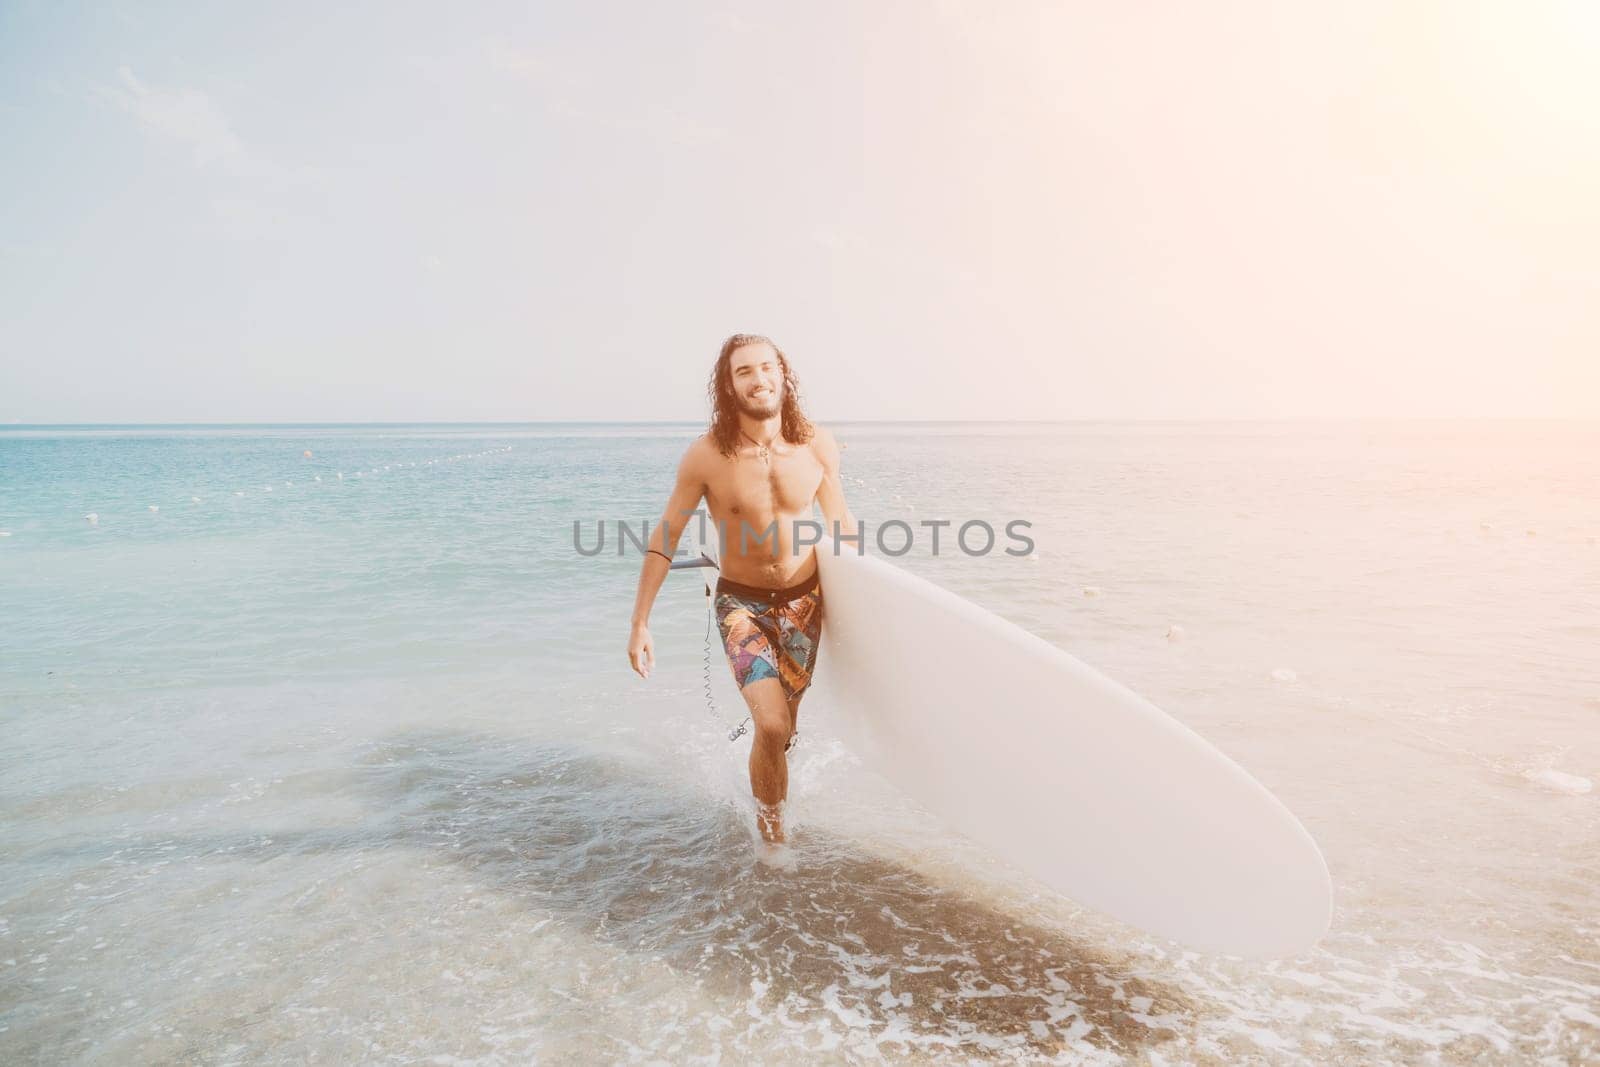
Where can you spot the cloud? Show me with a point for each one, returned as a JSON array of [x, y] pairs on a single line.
[[578, 96], [246, 219], [255, 199], [182, 115], [879, 257], [527, 63], [191, 118]]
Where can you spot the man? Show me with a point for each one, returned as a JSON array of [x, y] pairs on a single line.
[[759, 468]]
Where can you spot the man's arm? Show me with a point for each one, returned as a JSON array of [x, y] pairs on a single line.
[[830, 494], [687, 493]]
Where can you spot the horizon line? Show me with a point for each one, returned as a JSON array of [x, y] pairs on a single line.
[[700, 421]]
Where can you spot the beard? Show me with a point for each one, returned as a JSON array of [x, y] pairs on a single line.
[[760, 409]]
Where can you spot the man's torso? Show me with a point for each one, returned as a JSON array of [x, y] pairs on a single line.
[[756, 503]]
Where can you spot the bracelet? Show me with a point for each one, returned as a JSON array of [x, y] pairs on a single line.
[[660, 553]]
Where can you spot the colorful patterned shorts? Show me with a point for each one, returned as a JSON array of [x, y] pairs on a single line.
[[771, 633]]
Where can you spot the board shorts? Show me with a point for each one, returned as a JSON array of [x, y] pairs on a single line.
[[771, 633]]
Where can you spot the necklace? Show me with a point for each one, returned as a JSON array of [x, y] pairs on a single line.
[[762, 450]]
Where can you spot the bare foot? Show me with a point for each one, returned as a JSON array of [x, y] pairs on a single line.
[[780, 856]]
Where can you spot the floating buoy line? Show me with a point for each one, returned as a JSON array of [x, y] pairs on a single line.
[[93, 518]]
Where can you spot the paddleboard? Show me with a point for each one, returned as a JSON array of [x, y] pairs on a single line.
[[1051, 765]]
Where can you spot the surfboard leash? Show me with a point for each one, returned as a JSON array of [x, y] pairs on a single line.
[[705, 679], [711, 702]]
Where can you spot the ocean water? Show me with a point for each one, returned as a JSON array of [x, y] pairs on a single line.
[[300, 767]]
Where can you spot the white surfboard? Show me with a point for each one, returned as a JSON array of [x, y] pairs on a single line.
[[1056, 768]]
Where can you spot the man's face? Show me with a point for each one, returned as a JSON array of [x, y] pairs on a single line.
[[757, 380]]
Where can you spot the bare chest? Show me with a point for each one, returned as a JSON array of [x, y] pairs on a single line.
[[747, 487]]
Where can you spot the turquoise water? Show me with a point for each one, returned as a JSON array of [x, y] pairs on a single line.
[[307, 765]]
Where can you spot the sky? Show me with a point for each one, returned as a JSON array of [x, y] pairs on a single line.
[[382, 211]]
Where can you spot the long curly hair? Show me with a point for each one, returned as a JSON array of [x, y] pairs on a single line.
[[796, 428]]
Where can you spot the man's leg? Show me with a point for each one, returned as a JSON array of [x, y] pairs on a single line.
[[794, 721], [769, 768], [797, 656]]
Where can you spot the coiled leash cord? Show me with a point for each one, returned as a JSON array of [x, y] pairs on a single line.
[[705, 678], [711, 702], [705, 662]]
